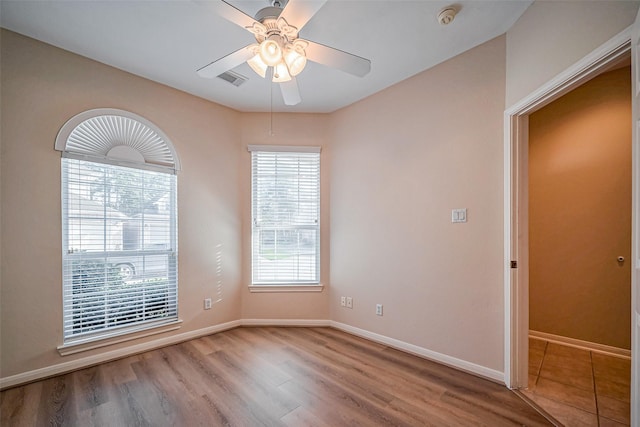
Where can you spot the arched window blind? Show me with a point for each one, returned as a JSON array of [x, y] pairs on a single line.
[[119, 213]]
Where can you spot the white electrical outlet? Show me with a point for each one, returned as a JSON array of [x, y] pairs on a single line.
[[343, 301], [207, 303], [349, 302], [379, 309]]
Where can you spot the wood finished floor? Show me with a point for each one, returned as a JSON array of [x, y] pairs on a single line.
[[267, 377]]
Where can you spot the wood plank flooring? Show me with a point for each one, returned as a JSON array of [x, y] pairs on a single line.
[[267, 377]]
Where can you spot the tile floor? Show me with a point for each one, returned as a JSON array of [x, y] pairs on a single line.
[[579, 387]]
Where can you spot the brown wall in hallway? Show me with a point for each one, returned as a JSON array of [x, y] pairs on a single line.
[[580, 213]]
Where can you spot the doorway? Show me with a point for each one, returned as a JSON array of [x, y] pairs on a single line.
[[579, 181], [516, 207], [579, 174]]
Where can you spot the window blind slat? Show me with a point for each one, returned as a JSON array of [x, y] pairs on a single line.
[[119, 247], [286, 216]]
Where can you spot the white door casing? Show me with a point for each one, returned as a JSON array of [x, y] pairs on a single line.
[[635, 230], [516, 206]]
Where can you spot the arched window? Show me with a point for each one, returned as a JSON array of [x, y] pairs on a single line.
[[119, 233]]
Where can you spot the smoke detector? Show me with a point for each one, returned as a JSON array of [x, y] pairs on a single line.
[[446, 15]]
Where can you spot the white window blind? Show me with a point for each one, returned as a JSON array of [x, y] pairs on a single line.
[[286, 216], [119, 248]]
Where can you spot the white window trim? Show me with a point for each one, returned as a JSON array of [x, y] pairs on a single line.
[[115, 337], [288, 287], [314, 287], [285, 148], [146, 147]]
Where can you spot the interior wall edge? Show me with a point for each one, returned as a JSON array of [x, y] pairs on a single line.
[[66, 367], [62, 368], [286, 322], [573, 76], [453, 362], [584, 345]]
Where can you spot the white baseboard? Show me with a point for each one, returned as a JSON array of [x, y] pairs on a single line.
[[584, 345], [285, 322], [453, 362], [64, 367], [85, 362]]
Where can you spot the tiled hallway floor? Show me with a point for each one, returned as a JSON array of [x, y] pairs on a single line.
[[579, 387]]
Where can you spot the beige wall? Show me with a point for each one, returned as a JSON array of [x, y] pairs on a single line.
[[580, 213], [42, 87], [288, 129], [552, 35], [400, 161], [394, 165]]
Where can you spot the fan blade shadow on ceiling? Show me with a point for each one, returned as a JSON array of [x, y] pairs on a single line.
[[339, 59], [298, 13], [226, 63], [290, 92]]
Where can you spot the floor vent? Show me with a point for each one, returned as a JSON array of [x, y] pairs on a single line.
[[233, 78]]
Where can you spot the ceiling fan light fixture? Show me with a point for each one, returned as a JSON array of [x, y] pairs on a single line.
[[271, 50], [278, 46], [281, 73], [295, 59], [257, 64]]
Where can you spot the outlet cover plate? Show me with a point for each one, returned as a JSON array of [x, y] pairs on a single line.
[[379, 309], [459, 215]]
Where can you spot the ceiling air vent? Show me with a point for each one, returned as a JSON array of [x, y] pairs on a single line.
[[233, 78]]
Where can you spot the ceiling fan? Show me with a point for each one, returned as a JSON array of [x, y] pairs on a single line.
[[278, 49]]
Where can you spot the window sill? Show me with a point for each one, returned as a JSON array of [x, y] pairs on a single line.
[[287, 288], [115, 337]]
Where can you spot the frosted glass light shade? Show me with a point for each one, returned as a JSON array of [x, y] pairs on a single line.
[[271, 50], [295, 60], [281, 73], [258, 66]]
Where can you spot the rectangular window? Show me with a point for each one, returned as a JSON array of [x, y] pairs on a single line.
[[285, 194], [119, 249]]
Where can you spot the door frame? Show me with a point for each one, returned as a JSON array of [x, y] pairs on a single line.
[[516, 144]]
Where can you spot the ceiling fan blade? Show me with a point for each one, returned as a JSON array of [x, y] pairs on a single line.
[[299, 12], [226, 63], [336, 58], [290, 92], [229, 12]]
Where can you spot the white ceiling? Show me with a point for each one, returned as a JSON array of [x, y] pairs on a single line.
[[167, 41]]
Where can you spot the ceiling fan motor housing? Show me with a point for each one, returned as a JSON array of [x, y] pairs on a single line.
[[272, 12]]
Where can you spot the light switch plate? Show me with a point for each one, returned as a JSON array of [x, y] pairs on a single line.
[[459, 215]]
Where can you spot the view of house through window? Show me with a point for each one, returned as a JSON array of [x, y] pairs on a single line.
[[119, 247], [286, 215]]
